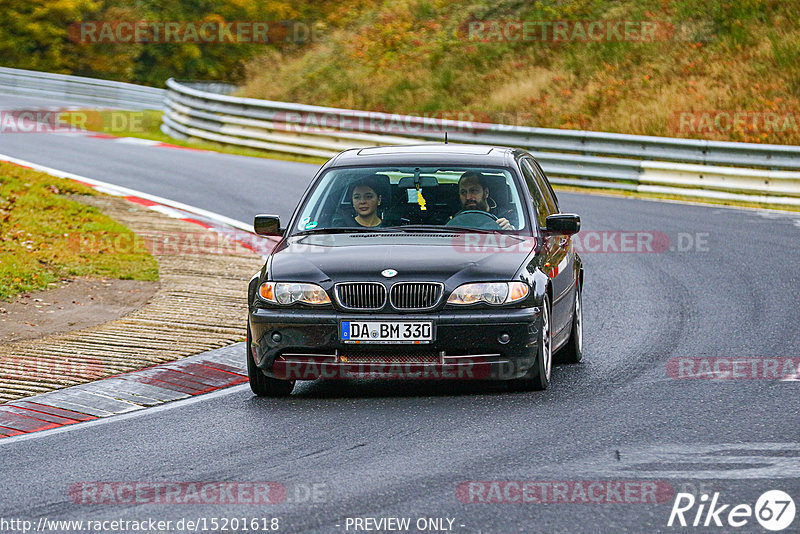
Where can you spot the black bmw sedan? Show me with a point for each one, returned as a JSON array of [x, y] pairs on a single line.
[[418, 262]]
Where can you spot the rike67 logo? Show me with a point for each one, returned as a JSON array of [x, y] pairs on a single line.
[[774, 510]]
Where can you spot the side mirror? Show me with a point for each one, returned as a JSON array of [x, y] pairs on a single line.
[[267, 225], [563, 223]]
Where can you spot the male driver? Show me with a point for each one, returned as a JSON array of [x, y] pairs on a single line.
[[474, 194]]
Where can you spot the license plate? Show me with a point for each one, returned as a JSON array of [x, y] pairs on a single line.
[[415, 332]]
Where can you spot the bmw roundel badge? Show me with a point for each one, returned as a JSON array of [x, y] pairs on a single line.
[[388, 273]]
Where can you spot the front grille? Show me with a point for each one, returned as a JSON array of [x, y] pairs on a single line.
[[361, 295], [415, 295], [389, 357]]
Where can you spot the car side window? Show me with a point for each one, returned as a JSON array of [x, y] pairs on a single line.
[[539, 202], [542, 186], [547, 189]]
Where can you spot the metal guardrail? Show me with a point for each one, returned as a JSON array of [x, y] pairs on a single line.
[[80, 90], [226, 109], [685, 167]]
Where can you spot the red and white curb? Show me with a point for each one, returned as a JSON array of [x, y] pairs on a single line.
[[167, 382]]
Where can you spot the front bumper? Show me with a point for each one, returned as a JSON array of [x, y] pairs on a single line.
[[466, 345]]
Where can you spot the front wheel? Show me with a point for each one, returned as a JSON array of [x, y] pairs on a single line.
[[262, 385], [538, 376], [573, 350]]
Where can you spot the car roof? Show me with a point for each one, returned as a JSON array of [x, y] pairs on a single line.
[[433, 153]]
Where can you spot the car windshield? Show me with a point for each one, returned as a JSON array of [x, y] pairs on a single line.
[[414, 198]]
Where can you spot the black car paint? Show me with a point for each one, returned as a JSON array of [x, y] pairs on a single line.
[[549, 266]]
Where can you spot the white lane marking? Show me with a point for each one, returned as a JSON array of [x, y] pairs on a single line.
[[129, 415], [117, 190], [776, 215], [169, 212], [137, 141]]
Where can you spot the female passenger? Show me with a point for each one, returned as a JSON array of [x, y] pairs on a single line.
[[365, 203]]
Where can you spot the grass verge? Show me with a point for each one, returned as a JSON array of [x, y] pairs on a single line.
[[41, 232]]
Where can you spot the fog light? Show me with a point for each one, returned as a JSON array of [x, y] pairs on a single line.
[[276, 337], [504, 338]]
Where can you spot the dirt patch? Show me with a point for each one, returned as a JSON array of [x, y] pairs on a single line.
[[71, 305]]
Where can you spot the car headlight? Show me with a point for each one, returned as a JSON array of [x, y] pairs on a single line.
[[291, 292], [490, 293]]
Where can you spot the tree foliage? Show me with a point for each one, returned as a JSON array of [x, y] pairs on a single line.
[[41, 35]]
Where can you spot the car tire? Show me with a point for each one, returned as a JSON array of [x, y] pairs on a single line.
[[262, 385], [573, 350], [538, 376]]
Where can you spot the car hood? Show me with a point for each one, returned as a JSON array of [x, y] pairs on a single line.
[[448, 258]]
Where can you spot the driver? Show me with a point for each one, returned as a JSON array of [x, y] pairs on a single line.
[[474, 195]]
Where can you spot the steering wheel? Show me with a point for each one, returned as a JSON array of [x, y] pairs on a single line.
[[474, 219]]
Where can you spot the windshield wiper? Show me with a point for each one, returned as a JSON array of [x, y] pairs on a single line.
[[341, 230], [433, 228]]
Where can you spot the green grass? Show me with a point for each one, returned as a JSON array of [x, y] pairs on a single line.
[[45, 236]]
